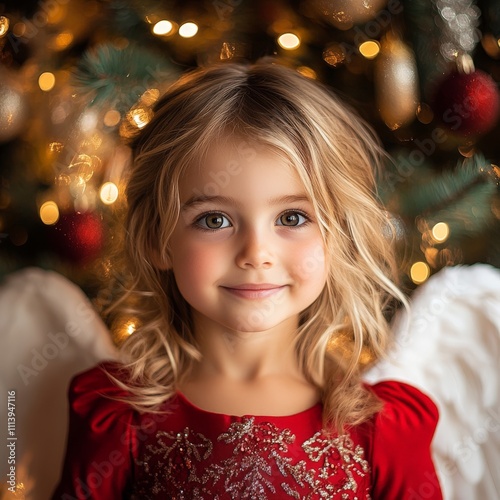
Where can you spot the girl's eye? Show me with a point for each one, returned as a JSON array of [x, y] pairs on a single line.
[[212, 221], [292, 218]]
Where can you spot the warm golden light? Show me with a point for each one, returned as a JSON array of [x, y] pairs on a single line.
[[419, 272], [56, 147], [140, 117], [369, 49], [63, 40], [49, 213], [440, 232], [424, 113], [4, 26], [227, 50], [188, 30], [163, 27], [307, 71], [334, 55], [150, 96], [109, 193], [112, 118], [19, 29], [289, 41], [491, 45], [46, 81]]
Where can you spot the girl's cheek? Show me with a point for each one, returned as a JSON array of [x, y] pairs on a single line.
[[197, 259], [308, 260]]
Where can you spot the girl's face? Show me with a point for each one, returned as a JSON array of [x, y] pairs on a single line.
[[246, 222]]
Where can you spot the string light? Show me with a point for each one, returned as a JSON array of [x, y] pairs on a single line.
[[289, 41], [150, 96], [4, 26], [369, 49], [112, 118], [163, 27], [140, 117], [19, 29], [61, 41], [440, 232], [108, 193], [46, 81], [491, 45], [188, 30], [49, 213], [130, 327], [419, 272]]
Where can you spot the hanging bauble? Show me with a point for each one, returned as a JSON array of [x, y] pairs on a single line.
[[343, 14], [78, 237], [396, 83], [13, 107], [467, 104]]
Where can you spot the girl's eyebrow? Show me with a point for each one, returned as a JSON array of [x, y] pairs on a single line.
[[200, 199]]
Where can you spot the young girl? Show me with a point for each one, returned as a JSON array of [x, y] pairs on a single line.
[[255, 242]]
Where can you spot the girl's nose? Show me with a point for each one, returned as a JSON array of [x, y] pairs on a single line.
[[254, 249]]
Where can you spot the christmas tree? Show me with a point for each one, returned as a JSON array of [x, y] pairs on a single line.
[[79, 78]]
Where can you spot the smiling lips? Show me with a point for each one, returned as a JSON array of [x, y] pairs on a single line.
[[254, 291]]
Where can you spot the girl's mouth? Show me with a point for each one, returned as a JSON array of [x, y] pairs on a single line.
[[254, 293]]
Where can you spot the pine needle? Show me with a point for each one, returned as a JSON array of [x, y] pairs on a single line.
[[467, 182], [118, 77]]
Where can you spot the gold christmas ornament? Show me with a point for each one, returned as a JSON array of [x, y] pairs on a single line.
[[396, 83]]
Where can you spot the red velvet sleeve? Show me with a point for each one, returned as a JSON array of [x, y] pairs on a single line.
[[402, 463], [99, 458]]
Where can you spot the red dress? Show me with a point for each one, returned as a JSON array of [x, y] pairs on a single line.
[[114, 452]]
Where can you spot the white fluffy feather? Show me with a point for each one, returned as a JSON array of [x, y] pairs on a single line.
[[449, 347], [48, 332]]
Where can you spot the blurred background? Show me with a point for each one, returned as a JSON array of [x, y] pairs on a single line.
[[78, 78]]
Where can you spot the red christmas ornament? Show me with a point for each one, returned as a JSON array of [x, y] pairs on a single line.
[[467, 104], [78, 237]]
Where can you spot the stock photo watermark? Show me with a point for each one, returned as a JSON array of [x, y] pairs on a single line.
[[11, 441], [58, 341]]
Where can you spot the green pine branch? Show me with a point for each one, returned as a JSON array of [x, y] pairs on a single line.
[[118, 77]]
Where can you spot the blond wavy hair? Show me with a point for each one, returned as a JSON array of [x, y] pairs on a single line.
[[337, 156]]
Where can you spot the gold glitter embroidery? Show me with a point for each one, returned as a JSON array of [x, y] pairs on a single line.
[[250, 458], [256, 448]]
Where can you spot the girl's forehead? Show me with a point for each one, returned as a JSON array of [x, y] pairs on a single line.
[[236, 153], [242, 170]]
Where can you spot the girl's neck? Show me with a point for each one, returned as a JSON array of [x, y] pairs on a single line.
[[247, 373], [245, 356]]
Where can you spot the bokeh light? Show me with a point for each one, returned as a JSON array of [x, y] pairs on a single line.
[[188, 30], [369, 49], [163, 27], [419, 272], [289, 41], [49, 213], [108, 193], [440, 232], [46, 81]]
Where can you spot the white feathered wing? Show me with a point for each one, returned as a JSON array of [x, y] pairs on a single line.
[[48, 332], [449, 347]]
